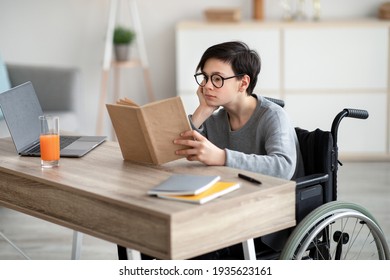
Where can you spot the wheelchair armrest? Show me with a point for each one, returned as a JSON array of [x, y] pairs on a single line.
[[311, 180]]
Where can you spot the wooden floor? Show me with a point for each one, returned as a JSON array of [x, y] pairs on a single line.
[[367, 184]]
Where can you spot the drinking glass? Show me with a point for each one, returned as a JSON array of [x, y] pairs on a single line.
[[50, 141]]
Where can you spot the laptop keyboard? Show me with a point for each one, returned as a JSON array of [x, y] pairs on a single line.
[[67, 140], [64, 141]]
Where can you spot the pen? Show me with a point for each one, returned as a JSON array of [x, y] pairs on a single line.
[[249, 179]]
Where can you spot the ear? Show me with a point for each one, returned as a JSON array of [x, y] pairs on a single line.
[[245, 81]]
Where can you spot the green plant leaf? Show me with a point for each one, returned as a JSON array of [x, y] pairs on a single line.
[[123, 35]]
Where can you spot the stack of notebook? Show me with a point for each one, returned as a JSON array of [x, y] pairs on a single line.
[[190, 188]]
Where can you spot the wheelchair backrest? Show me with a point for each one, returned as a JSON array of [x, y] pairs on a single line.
[[318, 155]]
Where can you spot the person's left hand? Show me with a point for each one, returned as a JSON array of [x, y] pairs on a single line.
[[200, 148]]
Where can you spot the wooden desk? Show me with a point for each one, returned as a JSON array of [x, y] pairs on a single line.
[[104, 196]]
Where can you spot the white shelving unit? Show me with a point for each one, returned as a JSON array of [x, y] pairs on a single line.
[[111, 65]]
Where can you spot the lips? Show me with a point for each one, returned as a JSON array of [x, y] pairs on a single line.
[[208, 96]]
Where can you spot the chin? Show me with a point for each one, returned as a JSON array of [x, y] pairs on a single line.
[[211, 103]]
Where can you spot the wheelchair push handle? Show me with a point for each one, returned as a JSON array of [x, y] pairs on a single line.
[[350, 113], [356, 113]]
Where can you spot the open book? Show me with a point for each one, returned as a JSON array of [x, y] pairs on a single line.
[[146, 133], [216, 190]]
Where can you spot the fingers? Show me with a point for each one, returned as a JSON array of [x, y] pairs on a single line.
[[202, 100], [193, 134], [192, 158], [199, 91], [190, 142], [193, 140], [187, 152], [197, 145], [189, 135]]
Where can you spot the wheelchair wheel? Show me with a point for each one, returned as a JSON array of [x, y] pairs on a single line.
[[337, 231]]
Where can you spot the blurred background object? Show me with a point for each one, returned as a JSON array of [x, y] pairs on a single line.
[[384, 11]]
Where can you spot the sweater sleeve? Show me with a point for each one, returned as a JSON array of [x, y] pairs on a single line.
[[282, 166], [280, 155], [201, 129]]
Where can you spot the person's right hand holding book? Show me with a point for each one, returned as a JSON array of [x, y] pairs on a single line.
[[201, 149]]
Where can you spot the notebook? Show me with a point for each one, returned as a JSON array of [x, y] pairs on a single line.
[[215, 191], [21, 109], [185, 184]]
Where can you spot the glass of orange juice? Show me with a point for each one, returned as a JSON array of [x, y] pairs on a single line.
[[50, 141]]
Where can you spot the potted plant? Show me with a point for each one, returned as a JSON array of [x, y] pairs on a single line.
[[123, 37]]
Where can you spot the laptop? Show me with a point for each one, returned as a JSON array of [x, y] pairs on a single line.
[[21, 109]]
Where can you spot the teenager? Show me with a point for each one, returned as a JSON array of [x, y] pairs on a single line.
[[233, 126]]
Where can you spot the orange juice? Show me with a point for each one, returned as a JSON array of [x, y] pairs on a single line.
[[50, 147]]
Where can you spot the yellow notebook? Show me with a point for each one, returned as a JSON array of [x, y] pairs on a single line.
[[217, 190]]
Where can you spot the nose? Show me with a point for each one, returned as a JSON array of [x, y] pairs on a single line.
[[209, 84]]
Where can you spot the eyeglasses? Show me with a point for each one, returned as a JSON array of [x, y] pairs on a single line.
[[216, 79]]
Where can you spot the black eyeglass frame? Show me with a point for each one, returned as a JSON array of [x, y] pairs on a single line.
[[208, 77]]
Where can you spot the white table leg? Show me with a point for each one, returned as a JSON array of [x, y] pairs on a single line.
[[76, 245], [249, 249], [133, 254]]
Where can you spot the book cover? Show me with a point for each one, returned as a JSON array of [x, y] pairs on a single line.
[[216, 190], [146, 133], [184, 184]]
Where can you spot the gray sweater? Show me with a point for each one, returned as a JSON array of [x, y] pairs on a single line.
[[266, 144]]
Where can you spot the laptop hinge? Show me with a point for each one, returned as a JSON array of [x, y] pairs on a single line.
[[33, 146]]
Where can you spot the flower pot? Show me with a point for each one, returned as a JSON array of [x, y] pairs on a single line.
[[122, 52]]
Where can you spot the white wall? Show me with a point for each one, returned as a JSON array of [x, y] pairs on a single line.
[[71, 33]]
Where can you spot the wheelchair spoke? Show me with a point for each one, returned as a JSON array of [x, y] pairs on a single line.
[[353, 240], [341, 240]]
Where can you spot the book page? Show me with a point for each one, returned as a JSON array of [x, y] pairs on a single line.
[[126, 101], [164, 121], [130, 133]]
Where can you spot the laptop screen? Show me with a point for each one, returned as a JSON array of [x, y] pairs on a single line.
[[21, 109]]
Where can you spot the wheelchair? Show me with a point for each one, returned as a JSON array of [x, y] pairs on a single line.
[[328, 229]]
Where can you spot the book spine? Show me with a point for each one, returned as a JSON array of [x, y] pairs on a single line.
[[147, 135]]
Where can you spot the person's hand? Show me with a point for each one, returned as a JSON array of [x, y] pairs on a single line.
[[203, 111], [200, 148], [203, 103]]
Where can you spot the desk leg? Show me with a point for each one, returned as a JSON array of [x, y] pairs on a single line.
[[76, 246], [128, 254], [249, 249], [133, 254]]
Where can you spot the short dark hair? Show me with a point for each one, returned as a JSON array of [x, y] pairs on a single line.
[[242, 60]]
